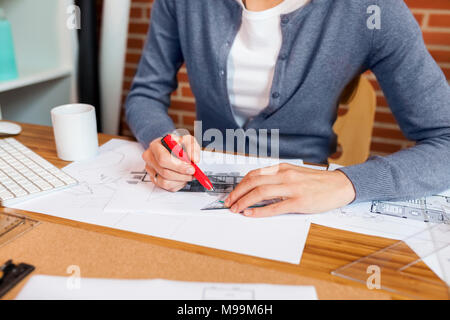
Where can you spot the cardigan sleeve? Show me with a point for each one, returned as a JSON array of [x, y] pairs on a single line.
[[149, 98], [419, 97]]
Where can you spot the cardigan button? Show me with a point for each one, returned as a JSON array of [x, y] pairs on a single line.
[[284, 20], [275, 95]]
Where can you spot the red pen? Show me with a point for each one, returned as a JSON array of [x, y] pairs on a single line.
[[178, 151]]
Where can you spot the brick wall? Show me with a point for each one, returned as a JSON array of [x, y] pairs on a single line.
[[432, 15]]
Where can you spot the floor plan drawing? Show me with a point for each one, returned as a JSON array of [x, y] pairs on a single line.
[[136, 177], [223, 182], [435, 209]]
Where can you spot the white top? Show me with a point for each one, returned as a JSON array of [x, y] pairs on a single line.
[[252, 60]]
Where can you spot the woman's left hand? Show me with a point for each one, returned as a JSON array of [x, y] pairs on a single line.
[[301, 190]]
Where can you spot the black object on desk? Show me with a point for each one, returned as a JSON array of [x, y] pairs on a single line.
[[11, 274]]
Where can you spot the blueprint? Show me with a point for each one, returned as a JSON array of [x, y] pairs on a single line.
[[429, 209]]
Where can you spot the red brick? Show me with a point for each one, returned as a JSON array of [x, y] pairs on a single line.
[[181, 105], [188, 120], [130, 72], [133, 57], [187, 92], [441, 55], [136, 12], [135, 43], [419, 17], [388, 133], [439, 20], [174, 117], [375, 85], [182, 77], [446, 72], [440, 38], [385, 117], [126, 85], [138, 27], [381, 101], [428, 4], [385, 147]]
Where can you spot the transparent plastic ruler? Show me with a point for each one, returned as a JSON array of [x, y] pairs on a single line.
[[13, 226]]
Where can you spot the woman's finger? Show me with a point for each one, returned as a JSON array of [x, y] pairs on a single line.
[[151, 172], [282, 207], [159, 181], [164, 159], [168, 174], [261, 193]]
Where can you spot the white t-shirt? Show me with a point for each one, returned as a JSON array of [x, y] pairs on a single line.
[[253, 56]]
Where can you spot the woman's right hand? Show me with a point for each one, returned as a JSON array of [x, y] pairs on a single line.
[[167, 171]]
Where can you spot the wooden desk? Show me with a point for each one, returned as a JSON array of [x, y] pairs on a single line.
[[102, 252]]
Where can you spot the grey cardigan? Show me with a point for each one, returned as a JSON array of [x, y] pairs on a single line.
[[325, 45]]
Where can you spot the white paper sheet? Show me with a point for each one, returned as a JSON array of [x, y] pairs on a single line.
[[280, 238], [62, 288], [145, 197]]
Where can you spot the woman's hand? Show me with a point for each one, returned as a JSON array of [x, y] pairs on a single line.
[[167, 171], [300, 189]]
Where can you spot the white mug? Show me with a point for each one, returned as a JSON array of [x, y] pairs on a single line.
[[75, 130]]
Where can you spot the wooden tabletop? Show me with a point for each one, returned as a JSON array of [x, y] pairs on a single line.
[[56, 244]]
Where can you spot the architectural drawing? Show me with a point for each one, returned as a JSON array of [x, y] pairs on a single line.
[[223, 182], [136, 177], [430, 209]]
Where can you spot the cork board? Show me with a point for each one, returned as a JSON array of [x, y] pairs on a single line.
[[52, 248]]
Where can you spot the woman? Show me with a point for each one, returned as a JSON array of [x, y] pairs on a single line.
[[272, 64]]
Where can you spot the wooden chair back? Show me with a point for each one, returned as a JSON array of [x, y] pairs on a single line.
[[354, 128]]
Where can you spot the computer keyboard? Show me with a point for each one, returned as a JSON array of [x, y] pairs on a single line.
[[24, 174]]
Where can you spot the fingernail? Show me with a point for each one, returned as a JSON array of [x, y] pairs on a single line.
[[248, 212], [234, 208]]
